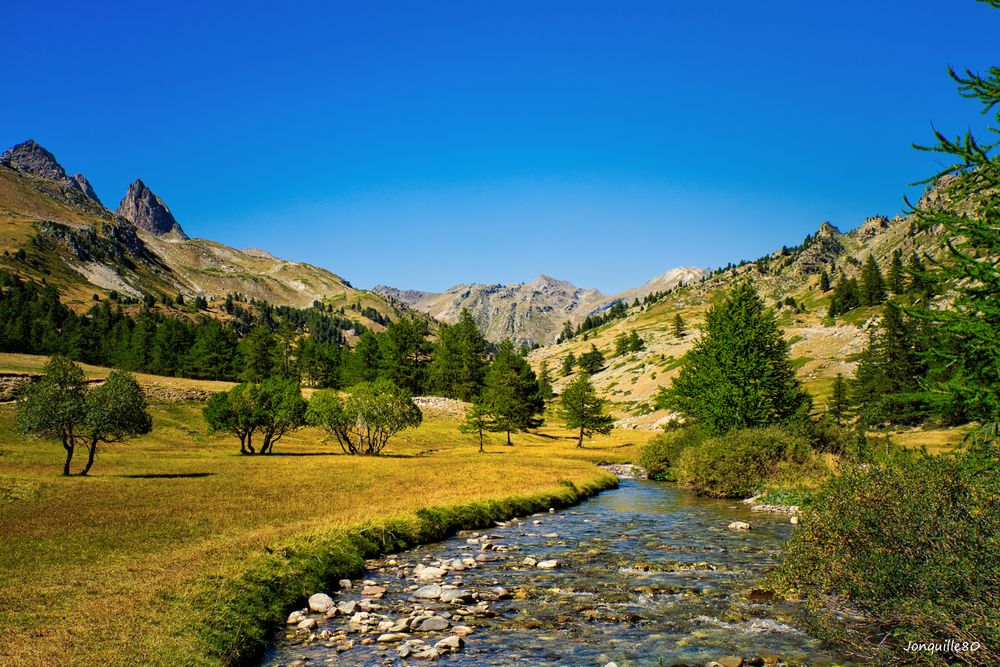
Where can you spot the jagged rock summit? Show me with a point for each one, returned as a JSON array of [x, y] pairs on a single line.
[[145, 210], [32, 159]]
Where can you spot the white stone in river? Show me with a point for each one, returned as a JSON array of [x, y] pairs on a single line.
[[548, 564], [793, 520], [740, 525], [320, 602], [432, 592], [295, 618]]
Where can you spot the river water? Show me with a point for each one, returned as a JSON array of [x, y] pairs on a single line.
[[648, 574]]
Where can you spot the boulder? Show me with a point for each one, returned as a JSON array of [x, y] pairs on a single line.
[[320, 603], [452, 643], [430, 592], [433, 624]]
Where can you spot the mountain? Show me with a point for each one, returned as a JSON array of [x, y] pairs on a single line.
[[54, 228], [524, 312], [147, 211], [532, 312]]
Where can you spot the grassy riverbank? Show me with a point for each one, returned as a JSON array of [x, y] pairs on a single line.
[[177, 548]]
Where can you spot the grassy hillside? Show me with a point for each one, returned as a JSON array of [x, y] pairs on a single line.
[[821, 347], [115, 569]]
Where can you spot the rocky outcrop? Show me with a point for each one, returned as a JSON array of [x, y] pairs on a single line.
[[822, 251], [32, 159], [145, 210]]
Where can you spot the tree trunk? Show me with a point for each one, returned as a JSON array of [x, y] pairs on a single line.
[[90, 458], [250, 448], [480, 442], [579, 442], [509, 443], [243, 447], [68, 445]]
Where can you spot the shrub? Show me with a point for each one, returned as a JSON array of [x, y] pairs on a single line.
[[661, 454], [740, 463], [912, 544]]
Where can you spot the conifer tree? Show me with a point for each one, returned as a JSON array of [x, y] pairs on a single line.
[[635, 342], [511, 394], [680, 328], [894, 277], [839, 399], [592, 361], [886, 387], [824, 282], [872, 283], [738, 373], [568, 364], [478, 421], [582, 410], [458, 367], [621, 344], [545, 380]]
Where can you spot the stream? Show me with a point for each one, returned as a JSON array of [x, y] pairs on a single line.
[[647, 574]]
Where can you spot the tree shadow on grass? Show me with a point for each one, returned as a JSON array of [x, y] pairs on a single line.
[[360, 456], [167, 475]]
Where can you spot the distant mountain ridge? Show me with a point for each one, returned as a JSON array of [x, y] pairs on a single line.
[[531, 312]]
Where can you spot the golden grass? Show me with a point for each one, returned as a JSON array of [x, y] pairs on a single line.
[[107, 569]]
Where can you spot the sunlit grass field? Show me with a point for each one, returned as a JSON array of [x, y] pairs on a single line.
[[105, 570]]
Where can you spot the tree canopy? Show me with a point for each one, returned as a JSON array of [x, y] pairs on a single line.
[[364, 422], [581, 409]]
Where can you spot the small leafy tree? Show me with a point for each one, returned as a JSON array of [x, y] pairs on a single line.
[[738, 373], [364, 422], [478, 421], [54, 407], [116, 411], [281, 409], [582, 409], [237, 411]]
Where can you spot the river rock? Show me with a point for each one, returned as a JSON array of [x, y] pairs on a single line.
[[452, 643], [428, 654], [320, 603], [425, 573], [345, 584], [740, 525], [547, 565], [295, 618], [727, 661], [391, 637], [455, 595], [529, 561], [430, 592], [306, 624], [502, 593], [462, 630], [433, 624], [347, 607], [373, 591]]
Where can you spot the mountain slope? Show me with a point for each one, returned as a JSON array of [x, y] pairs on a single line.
[[53, 228], [821, 346]]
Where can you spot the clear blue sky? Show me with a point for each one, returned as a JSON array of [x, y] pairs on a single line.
[[422, 144]]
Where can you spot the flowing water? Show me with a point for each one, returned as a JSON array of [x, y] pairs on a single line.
[[648, 574]]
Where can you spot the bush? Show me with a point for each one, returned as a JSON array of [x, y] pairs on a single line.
[[739, 464], [661, 454], [914, 546]]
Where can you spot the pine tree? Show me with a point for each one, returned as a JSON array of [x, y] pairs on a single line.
[[592, 361], [581, 409], [567, 332], [478, 421], [511, 394], [635, 342], [406, 354], [545, 380], [824, 282], [889, 372], [894, 278], [257, 354], [839, 399], [967, 353], [458, 367], [680, 328], [568, 364], [621, 344], [738, 374], [872, 284]]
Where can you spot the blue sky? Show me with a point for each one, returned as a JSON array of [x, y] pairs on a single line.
[[423, 144]]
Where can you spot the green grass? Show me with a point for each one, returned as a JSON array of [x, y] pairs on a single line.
[[161, 557]]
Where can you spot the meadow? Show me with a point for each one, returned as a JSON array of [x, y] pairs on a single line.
[[134, 564]]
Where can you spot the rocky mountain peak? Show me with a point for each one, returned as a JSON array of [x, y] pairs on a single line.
[[145, 210], [34, 160], [826, 229]]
